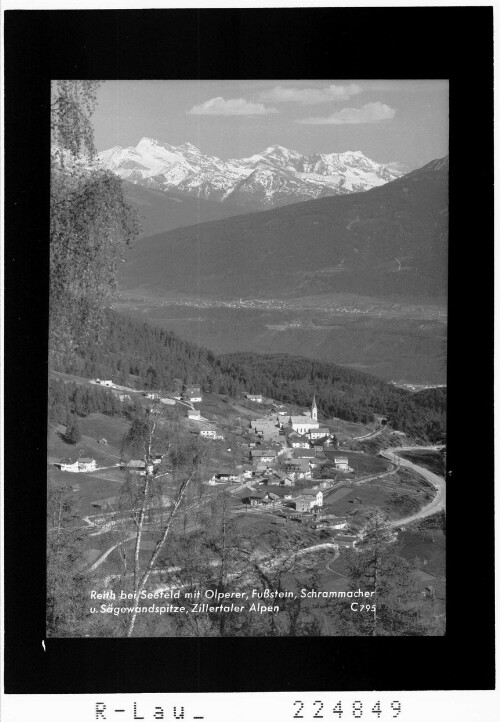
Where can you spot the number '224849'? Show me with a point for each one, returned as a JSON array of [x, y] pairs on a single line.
[[321, 712]]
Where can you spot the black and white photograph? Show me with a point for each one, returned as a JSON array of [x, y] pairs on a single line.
[[247, 358], [248, 438]]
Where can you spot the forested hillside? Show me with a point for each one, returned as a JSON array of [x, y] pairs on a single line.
[[134, 352], [388, 240]]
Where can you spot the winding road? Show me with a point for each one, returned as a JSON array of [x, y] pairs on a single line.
[[439, 502]]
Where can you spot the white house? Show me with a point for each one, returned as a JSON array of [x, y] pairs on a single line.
[[225, 476], [208, 433], [342, 463], [68, 465], [320, 433], [152, 395], [137, 466], [257, 398], [194, 415], [122, 396], [192, 394], [86, 464], [106, 382], [264, 455]]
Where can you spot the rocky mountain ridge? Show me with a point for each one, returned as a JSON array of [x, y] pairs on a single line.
[[275, 177]]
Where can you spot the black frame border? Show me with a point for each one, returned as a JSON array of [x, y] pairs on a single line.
[[450, 42]]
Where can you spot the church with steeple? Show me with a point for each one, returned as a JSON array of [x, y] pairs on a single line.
[[307, 422], [314, 409]]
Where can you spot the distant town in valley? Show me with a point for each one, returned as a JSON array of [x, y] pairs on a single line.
[[247, 369]]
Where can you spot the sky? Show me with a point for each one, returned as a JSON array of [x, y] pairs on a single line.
[[404, 122]]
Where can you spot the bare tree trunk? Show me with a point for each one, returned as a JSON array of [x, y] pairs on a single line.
[[142, 514], [158, 548]]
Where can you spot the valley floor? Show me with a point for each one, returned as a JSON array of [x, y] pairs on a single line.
[[398, 341]]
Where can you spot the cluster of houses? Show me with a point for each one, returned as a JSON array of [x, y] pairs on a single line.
[[301, 432], [282, 454], [304, 501]]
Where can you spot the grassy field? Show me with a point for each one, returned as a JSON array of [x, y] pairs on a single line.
[[432, 460], [347, 429], [93, 428], [400, 493], [360, 462]]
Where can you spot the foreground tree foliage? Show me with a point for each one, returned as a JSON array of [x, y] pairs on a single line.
[[90, 222], [90, 225], [67, 600], [376, 566]]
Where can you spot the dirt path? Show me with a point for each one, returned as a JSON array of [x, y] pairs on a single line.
[[370, 435]]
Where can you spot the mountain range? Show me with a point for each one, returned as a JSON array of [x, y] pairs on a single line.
[[387, 240], [275, 177]]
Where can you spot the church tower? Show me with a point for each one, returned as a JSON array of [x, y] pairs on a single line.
[[314, 409]]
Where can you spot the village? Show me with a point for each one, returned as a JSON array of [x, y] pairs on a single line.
[[279, 465]]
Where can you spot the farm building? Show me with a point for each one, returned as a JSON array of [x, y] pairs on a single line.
[[194, 415], [208, 433], [342, 463], [254, 498], [281, 479], [257, 398], [192, 394], [86, 464], [263, 455], [316, 495], [137, 466], [298, 441], [298, 469], [224, 476], [68, 465], [106, 382], [121, 396], [331, 522], [319, 433]]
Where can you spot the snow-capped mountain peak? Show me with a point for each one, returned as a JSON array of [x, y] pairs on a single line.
[[275, 176]]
